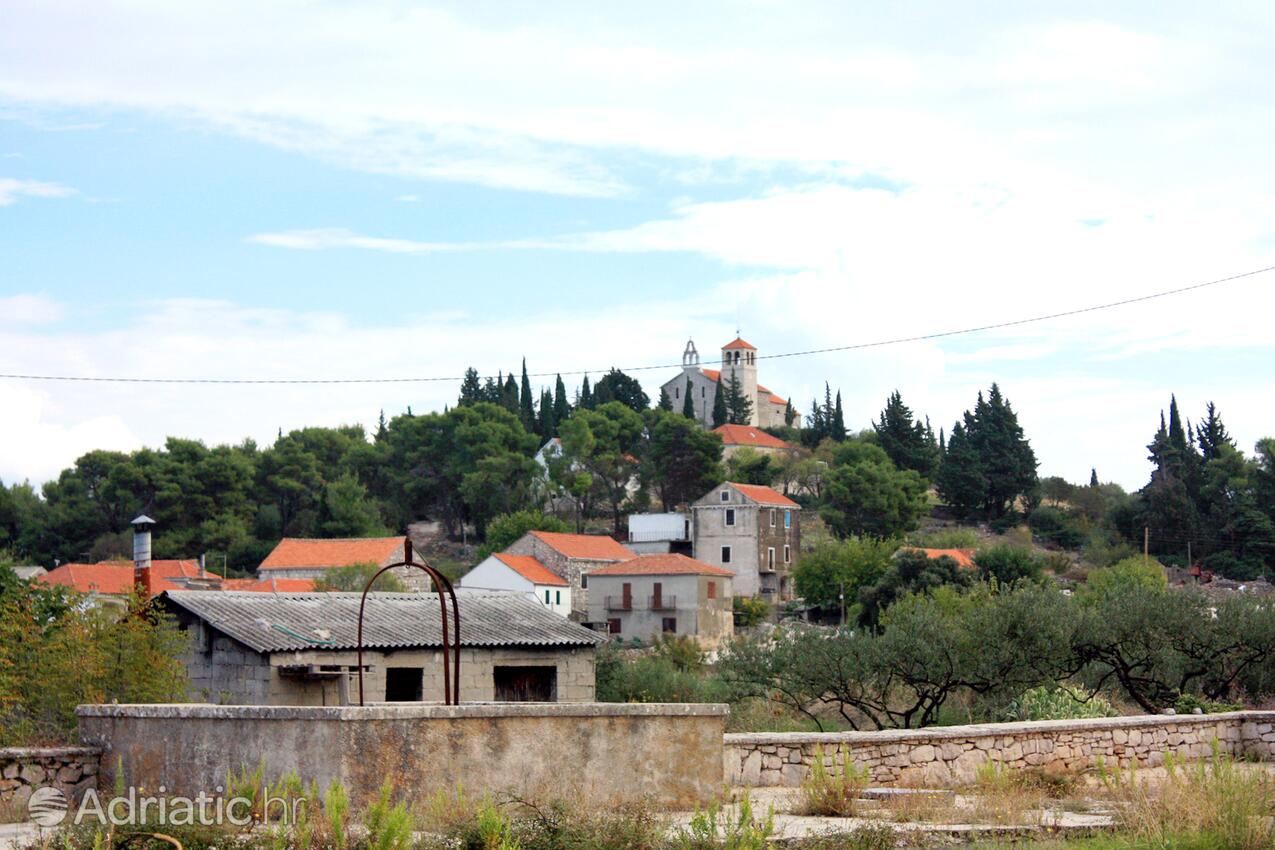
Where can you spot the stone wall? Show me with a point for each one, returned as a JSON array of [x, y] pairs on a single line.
[[73, 770], [595, 752], [952, 754]]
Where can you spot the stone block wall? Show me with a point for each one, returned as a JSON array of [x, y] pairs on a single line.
[[73, 770], [953, 754]]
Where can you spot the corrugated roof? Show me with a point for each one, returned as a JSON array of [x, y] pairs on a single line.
[[746, 435], [661, 564], [269, 585], [531, 569], [271, 622], [590, 547], [295, 552]]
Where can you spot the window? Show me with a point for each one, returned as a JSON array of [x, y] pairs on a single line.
[[526, 684], [772, 517], [670, 625], [557, 597], [787, 519], [584, 581], [546, 596], [730, 516], [712, 590], [725, 554], [787, 554], [770, 557], [677, 392], [403, 684], [613, 625], [725, 495]]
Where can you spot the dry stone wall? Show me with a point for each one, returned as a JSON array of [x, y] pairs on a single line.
[[953, 754], [73, 770]]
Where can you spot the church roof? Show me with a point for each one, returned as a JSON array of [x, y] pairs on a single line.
[[737, 342]]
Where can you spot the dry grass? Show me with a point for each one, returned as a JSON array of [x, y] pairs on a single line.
[[833, 791], [922, 808], [1007, 797]]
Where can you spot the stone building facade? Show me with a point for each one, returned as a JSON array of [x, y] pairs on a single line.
[[571, 556], [513, 649], [739, 360], [656, 595], [753, 531]]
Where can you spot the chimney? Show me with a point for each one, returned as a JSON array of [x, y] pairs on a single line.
[[142, 526]]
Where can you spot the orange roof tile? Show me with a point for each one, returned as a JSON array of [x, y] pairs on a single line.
[[296, 552], [738, 343], [270, 585], [592, 547], [765, 495], [661, 564], [531, 569], [964, 557], [115, 578], [746, 435], [712, 374]]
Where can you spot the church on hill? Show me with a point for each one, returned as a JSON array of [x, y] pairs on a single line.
[[739, 359]]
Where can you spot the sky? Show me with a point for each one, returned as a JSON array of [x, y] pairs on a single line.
[[302, 190]]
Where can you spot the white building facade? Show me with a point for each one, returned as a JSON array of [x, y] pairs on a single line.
[[520, 574]]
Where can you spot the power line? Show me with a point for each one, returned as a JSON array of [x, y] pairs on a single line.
[[853, 347]]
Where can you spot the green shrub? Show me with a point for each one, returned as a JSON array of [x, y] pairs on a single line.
[[1008, 564], [1062, 702], [713, 829], [749, 611], [1056, 526], [947, 538], [1188, 703], [627, 677], [388, 825], [835, 792]]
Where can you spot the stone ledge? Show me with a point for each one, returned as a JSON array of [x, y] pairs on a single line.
[[990, 730], [415, 711], [26, 753]]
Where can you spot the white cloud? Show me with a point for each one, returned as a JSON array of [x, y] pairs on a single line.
[[42, 435], [28, 309], [11, 190]]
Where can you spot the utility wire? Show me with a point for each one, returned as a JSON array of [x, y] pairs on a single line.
[[854, 347]]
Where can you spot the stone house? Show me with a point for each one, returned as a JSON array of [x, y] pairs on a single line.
[[663, 594], [736, 437], [752, 530], [524, 574], [739, 359], [301, 648], [571, 556], [311, 558]]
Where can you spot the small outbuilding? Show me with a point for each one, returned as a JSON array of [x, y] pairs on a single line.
[[524, 574], [301, 648]]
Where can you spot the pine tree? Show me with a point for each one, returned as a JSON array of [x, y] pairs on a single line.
[[585, 399], [491, 390], [382, 430], [1211, 435], [561, 407], [470, 389], [720, 414], [909, 443], [666, 403], [960, 480], [739, 407], [817, 428], [509, 395], [688, 401], [838, 421], [526, 404], [1005, 456], [1093, 477]]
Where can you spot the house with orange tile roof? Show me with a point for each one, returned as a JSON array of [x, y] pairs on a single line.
[[311, 558], [964, 557], [739, 361], [570, 557], [523, 574], [736, 437], [112, 581], [650, 596], [752, 530]]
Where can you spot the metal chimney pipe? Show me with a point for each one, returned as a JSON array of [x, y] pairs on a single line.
[[142, 526]]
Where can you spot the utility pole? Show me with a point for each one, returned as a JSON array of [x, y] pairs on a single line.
[[842, 597], [1146, 544]]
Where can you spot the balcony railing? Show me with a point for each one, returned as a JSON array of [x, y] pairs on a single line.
[[662, 603], [619, 603]]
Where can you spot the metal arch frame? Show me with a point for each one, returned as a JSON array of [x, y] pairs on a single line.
[[451, 667]]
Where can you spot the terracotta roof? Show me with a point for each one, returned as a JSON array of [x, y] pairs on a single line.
[[295, 552], [765, 495], [531, 569], [115, 578], [746, 435], [661, 564], [269, 585], [712, 374], [592, 547], [963, 557], [738, 343]]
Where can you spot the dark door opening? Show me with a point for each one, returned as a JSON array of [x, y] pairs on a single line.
[[403, 684], [526, 684]]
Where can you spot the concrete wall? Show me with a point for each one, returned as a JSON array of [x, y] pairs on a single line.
[[73, 770], [941, 755], [233, 674], [670, 754], [709, 620]]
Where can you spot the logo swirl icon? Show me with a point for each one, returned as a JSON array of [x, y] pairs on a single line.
[[47, 806]]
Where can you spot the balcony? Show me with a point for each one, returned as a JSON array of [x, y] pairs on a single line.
[[662, 603], [619, 603]]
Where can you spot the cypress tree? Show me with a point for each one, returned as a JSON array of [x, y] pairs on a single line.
[[739, 407], [790, 415], [545, 424], [561, 407], [1211, 435], [816, 422], [960, 480], [688, 401], [838, 421], [1093, 478], [720, 414], [382, 430], [526, 404], [666, 403], [509, 395], [470, 389], [585, 399]]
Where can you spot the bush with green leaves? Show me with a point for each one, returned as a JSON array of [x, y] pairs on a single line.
[[1008, 564], [834, 785], [1058, 702], [749, 611], [1058, 527]]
